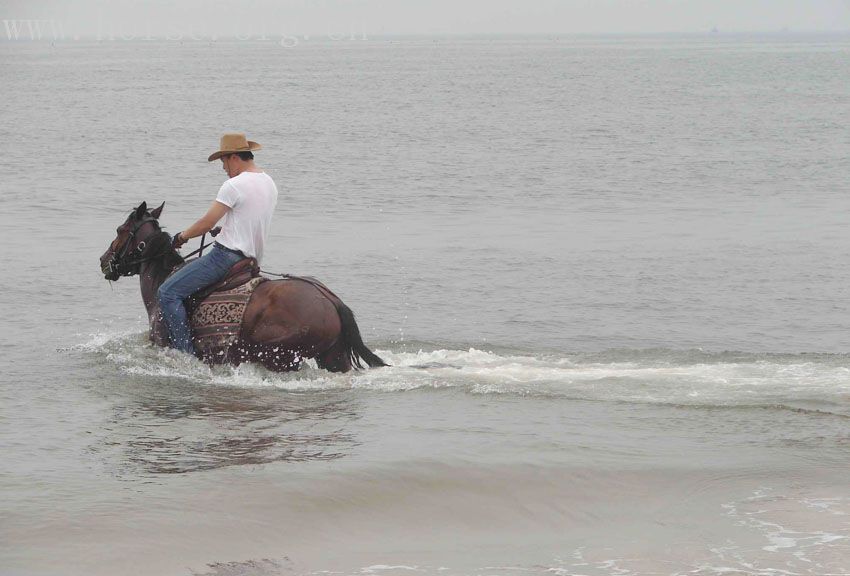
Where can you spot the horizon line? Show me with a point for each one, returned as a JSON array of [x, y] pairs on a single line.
[[365, 35]]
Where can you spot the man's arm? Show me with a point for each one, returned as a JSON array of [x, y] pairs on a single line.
[[204, 225]]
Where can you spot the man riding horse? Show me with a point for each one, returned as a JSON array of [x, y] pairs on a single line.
[[246, 203], [275, 323]]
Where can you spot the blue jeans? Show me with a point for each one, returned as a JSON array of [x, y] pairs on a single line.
[[192, 277]]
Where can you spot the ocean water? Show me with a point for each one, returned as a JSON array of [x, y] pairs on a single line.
[[610, 273]]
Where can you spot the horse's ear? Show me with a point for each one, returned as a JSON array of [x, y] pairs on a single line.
[[157, 211], [140, 211]]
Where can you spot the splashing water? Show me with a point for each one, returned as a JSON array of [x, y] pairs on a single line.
[[688, 378]]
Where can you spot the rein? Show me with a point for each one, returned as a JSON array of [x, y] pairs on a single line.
[[199, 251], [122, 267], [275, 274]]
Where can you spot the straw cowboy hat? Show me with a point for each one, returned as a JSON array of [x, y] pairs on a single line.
[[233, 142]]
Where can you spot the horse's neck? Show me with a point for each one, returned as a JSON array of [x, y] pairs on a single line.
[[151, 277]]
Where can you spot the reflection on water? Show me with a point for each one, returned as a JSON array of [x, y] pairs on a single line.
[[175, 429]]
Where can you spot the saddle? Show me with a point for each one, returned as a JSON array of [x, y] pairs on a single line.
[[239, 274]]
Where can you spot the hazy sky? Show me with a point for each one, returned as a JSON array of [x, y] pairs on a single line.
[[205, 18]]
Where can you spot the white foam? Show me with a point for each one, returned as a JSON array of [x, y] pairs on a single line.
[[651, 380], [102, 340], [382, 567], [804, 546]]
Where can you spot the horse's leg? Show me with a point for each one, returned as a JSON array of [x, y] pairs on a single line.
[[274, 358], [335, 359]]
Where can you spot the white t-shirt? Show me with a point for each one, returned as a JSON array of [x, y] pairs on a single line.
[[252, 197]]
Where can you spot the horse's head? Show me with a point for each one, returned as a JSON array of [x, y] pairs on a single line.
[[126, 253]]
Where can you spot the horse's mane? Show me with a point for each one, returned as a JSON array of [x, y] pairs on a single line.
[[160, 243]]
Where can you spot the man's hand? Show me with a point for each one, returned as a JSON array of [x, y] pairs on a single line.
[[178, 241]]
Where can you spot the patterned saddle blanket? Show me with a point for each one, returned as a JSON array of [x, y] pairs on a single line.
[[217, 320], [215, 313]]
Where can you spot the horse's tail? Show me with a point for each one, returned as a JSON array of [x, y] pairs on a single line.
[[351, 341]]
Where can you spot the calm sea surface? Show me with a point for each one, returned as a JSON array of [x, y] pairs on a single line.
[[612, 276]]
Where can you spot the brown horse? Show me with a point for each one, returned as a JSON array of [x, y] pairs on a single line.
[[285, 320]]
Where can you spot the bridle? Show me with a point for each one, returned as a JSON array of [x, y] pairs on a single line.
[[120, 265]]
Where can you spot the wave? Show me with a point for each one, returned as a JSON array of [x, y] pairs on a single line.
[[816, 382]]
